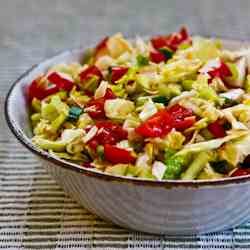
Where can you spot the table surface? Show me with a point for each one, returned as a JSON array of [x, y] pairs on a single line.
[[34, 211]]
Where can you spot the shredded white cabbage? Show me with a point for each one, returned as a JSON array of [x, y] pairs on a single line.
[[158, 169], [118, 108], [92, 132], [101, 90]]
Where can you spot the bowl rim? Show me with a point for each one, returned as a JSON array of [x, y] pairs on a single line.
[[20, 135]]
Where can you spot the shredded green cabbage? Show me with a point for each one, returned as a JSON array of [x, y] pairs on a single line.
[[174, 107], [118, 108], [180, 70], [235, 151]]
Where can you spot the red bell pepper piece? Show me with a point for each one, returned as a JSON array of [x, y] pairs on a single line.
[[108, 133], [112, 130], [88, 93], [184, 33], [171, 41], [117, 155], [97, 105], [217, 129], [182, 118], [184, 123], [109, 94], [61, 80], [118, 72], [161, 123], [102, 44], [40, 90], [225, 70], [101, 49], [241, 172], [222, 72], [89, 72], [159, 42], [179, 112], [157, 57], [93, 143], [97, 108], [157, 125]]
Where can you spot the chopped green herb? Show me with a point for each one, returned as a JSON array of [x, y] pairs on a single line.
[[229, 102], [245, 163], [142, 60], [137, 146], [227, 125], [168, 53], [161, 99], [74, 113], [220, 166]]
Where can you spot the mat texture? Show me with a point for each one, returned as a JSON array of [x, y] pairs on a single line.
[[34, 211]]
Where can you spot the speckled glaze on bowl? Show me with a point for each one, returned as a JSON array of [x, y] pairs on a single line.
[[159, 207]]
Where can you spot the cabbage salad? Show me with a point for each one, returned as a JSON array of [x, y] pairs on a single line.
[[174, 107]]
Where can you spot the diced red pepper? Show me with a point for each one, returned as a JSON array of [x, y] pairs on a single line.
[[214, 73], [117, 155], [241, 172], [88, 93], [97, 105], [102, 44], [109, 94], [225, 70], [118, 72], [93, 143], [151, 129], [161, 123], [186, 122], [182, 118], [157, 57], [159, 41], [171, 41], [217, 129], [57, 82], [180, 38], [40, 90], [61, 81], [97, 108], [112, 130], [179, 112], [89, 72], [222, 72], [157, 125], [101, 49], [184, 33], [108, 133]]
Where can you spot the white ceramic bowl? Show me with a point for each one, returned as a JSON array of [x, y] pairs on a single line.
[[160, 207]]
